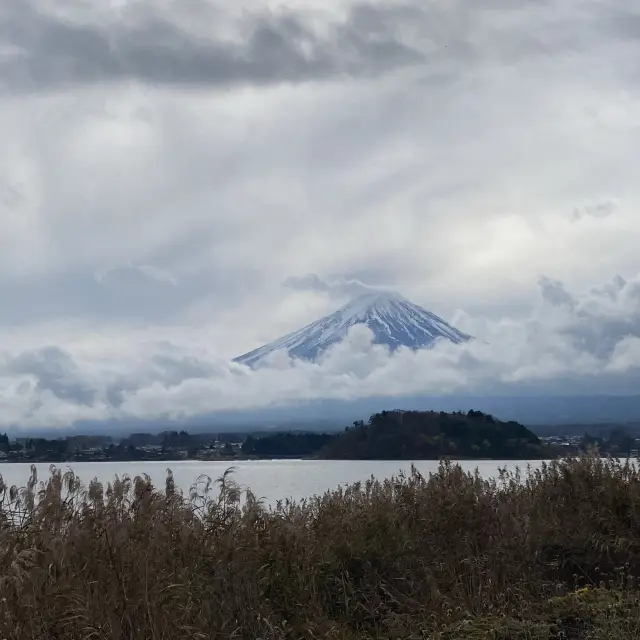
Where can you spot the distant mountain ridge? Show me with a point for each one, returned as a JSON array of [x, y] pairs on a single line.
[[393, 320]]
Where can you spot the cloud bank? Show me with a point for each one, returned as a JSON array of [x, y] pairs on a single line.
[[569, 344]]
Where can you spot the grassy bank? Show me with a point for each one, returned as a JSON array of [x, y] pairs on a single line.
[[554, 554]]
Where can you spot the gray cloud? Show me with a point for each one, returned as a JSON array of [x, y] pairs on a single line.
[[47, 48], [120, 275], [52, 50], [54, 370], [602, 209], [607, 316], [310, 282], [600, 320], [166, 365], [137, 293], [555, 293], [172, 364]]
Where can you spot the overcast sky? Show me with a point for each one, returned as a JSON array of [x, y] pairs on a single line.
[[184, 180]]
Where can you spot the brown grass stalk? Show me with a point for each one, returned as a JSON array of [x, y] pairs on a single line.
[[551, 553]]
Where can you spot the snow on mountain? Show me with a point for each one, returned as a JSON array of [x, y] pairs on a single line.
[[394, 321]]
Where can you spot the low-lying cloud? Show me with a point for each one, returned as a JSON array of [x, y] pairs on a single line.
[[568, 344]]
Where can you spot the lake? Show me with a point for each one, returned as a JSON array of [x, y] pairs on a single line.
[[268, 479]]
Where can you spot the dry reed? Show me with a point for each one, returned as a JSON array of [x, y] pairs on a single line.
[[554, 553]]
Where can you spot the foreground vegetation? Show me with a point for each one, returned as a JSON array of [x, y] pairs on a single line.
[[554, 554]]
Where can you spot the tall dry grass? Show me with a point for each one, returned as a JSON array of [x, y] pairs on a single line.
[[553, 553]]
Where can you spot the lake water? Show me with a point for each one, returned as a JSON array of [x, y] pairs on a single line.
[[268, 479]]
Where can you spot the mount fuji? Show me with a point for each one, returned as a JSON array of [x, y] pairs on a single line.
[[394, 321]]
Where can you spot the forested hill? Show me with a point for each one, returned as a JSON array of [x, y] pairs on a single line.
[[398, 435]]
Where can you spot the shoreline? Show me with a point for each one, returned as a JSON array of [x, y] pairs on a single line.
[[296, 458]]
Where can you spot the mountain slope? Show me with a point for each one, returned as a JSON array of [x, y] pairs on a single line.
[[394, 321]]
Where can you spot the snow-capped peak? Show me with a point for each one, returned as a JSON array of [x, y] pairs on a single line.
[[379, 301], [393, 320]]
